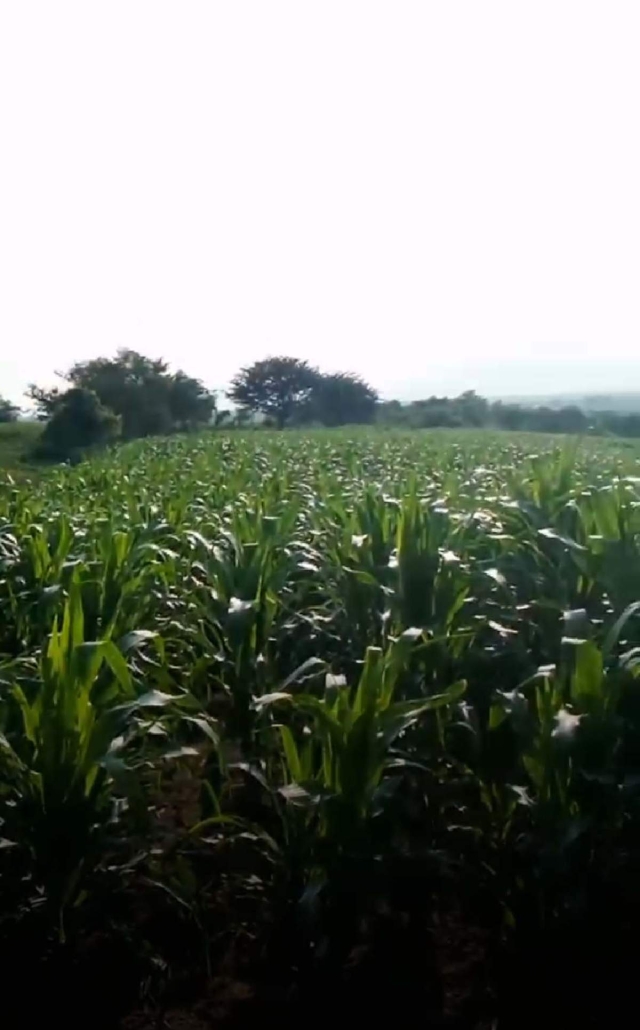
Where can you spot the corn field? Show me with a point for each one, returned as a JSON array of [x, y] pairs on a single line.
[[316, 702]]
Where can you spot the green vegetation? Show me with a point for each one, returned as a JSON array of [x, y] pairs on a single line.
[[132, 396], [8, 411], [17, 441], [79, 422], [287, 391], [129, 395], [469, 409], [312, 703]]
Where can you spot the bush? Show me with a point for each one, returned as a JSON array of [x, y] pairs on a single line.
[[147, 398], [79, 423]]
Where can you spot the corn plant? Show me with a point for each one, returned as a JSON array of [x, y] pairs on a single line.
[[569, 788], [69, 723], [333, 780]]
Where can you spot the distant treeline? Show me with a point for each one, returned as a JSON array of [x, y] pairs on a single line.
[[625, 403], [130, 395], [471, 410]]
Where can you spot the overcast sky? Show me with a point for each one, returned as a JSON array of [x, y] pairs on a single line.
[[437, 195]]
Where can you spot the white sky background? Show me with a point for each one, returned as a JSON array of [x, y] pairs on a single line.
[[437, 195]]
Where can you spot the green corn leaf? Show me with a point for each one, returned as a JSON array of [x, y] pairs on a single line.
[[587, 682], [291, 753]]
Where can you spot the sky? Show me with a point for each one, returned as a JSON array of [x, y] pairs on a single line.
[[439, 195]]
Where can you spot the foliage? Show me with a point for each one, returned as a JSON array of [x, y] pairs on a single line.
[[471, 410], [275, 387], [340, 399], [396, 675], [8, 412], [17, 441], [79, 422], [149, 401], [147, 398], [287, 390]]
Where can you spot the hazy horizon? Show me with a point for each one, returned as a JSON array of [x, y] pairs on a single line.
[[438, 197]]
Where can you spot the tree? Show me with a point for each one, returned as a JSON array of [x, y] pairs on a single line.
[[508, 416], [276, 387], [190, 404], [570, 419], [140, 390], [8, 411], [79, 422], [342, 398], [474, 410], [392, 413]]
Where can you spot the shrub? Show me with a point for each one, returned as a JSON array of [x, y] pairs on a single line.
[[79, 423]]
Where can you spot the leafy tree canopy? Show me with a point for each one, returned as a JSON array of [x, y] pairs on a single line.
[[342, 398], [275, 387], [147, 397]]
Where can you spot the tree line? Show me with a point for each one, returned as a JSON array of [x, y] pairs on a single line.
[[471, 410], [130, 396]]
